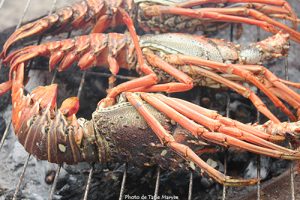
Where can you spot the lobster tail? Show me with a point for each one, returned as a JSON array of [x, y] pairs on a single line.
[[48, 133], [49, 137], [77, 16]]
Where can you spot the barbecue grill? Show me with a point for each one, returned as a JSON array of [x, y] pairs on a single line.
[[258, 190]]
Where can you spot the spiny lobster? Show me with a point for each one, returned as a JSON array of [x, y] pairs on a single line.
[[161, 16], [58, 136], [175, 63]]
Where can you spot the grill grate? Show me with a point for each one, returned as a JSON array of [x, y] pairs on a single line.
[[123, 184]]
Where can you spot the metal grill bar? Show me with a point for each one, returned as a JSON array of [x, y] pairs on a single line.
[[292, 181], [1, 3], [157, 183], [224, 192], [258, 186], [258, 177], [54, 183], [190, 186], [293, 196], [21, 177], [7, 129], [5, 135], [81, 84], [24, 13], [258, 167], [123, 182], [88, 184], [18, 26]]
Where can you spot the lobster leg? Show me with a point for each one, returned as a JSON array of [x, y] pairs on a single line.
[[148, 82], [244, 91], [217, 126], [230, 122], [178, 87], [276, 85], [129, 23], [284, 17], [292, 101], [232, 69], [5, 87], [259, 20], [264, 4], [144, 81], [102, 24], [185, 82], [258, 69], [181, 149], [273, 80], [289, 83], [219, 138]]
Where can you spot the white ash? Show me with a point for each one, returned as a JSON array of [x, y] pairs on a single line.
[[251, 170]]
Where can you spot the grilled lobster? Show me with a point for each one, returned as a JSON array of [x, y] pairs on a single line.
[[161, 16], [58, 136], [175, 63]]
